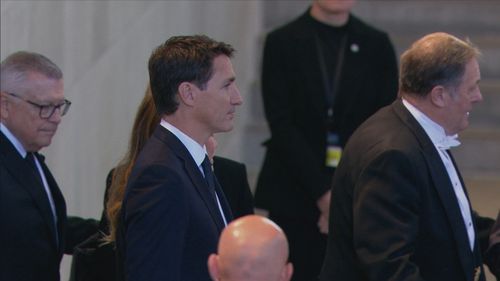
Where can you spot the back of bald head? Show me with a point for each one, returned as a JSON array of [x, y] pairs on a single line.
[[435, 59], [251, 248]]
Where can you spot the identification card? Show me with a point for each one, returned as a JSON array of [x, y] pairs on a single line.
[[333, 154]]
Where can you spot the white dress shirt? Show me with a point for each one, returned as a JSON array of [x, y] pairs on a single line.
[[442, 142], [197, 151]]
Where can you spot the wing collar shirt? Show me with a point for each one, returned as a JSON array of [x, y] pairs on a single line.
[[197, 151], [442, 142]]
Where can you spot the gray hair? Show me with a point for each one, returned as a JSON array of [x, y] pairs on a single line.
[[14, 69]]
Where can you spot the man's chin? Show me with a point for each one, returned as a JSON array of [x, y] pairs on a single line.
[[44, 143], [224, 129]]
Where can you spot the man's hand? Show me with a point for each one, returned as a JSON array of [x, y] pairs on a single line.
[[323, 204]]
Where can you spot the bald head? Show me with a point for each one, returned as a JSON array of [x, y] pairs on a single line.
[[251, 248]]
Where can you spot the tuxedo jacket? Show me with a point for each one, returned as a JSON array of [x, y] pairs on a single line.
[[394, 214], [31, 244], [169, 222], [293, 175]]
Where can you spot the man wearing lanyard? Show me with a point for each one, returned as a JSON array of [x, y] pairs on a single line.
[[323, 74], [174, 209]]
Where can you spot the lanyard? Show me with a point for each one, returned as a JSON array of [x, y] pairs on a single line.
[[331, 85]]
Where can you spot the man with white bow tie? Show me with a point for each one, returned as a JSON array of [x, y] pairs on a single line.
[[400, 210]]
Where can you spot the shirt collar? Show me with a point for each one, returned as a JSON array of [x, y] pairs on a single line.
[[197, 151], [17, 144], [435, 132]]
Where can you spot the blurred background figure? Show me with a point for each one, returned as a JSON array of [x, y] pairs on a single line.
[[323, 75], [251, 248]]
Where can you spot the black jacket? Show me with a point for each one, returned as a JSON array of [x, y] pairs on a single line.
[[293, 175]]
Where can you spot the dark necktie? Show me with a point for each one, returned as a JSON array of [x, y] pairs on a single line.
[[209, 176], [219, 198], [30, 159]]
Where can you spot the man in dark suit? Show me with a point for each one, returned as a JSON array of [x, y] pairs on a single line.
[[95, 261], [323, 75], [174, 210], [400, 210], [32, 208]]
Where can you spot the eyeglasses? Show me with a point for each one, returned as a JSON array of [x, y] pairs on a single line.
[[46, 111]]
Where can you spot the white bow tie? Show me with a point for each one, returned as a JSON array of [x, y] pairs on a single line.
[[447, 142]]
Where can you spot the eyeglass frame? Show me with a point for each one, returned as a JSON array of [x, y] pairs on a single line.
[[66, 103]]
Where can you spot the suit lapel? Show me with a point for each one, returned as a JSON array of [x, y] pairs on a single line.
[[223, 201], [201, 187], [448, 198], [193, 172], [59, 203], [477, 259], [443, 186], [21, 171]]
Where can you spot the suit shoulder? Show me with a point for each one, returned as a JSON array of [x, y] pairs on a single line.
[[385, 129]]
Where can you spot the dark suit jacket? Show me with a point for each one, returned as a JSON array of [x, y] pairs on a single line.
[[169, 223], [293, 175], [394, 214], [28, 250], [232, 177], [95, 261]]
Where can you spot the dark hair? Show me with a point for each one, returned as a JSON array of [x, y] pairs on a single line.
[[182, 59], [436, 59], [14, 68], [145, 123]]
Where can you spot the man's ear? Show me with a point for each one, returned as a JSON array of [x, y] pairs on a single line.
[[287, 272], [187, 93], [4, 106], [439, 96], [213, 267]]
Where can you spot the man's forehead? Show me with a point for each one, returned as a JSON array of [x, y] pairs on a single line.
[[44, 88]]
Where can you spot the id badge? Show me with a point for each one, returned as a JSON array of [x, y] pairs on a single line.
[[333, 154], [333, 151]]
